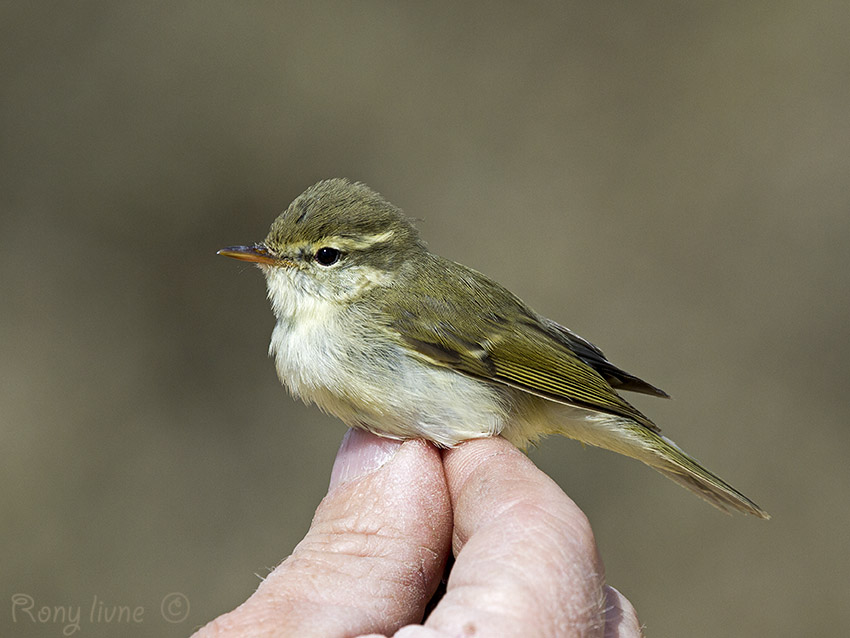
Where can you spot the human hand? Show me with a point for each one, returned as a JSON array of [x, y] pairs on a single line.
[[527, 563]]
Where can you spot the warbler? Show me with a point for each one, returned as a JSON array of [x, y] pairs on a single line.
[[375, 329]]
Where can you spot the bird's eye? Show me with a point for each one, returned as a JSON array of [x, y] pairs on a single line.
[[327, 256]]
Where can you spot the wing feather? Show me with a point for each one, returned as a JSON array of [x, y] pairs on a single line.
[[527, 354]]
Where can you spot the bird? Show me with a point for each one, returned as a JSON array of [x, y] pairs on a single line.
[[374, 328]]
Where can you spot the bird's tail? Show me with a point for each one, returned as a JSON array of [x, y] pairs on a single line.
[[625, 436], [673, 463]]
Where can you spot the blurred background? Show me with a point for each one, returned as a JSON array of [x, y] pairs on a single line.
[[669, 180]]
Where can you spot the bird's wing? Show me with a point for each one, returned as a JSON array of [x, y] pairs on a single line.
[[522, 353], [593, 356]]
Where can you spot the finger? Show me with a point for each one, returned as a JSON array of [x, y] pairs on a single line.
[[621, 619], [527, 562], [359, 454], [374, 553]]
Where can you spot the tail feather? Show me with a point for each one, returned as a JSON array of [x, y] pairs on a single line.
[[725, 498], [630, 438], [671, 461]]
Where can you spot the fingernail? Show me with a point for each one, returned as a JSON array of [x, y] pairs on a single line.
[[359, 454]]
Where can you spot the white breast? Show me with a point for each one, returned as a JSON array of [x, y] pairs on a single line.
[[328, 354]]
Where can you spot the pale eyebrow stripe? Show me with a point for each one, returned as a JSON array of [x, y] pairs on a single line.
[[345, 243], [363, 241]]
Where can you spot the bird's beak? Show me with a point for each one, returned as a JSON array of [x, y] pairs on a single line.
[[258, 253]]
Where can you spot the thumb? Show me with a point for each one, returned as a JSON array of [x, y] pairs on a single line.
[[374, 553], [359, 454]]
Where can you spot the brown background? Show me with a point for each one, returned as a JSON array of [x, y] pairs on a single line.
[[668, 179]]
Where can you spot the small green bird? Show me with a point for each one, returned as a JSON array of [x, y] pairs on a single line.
[[387, 336]]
